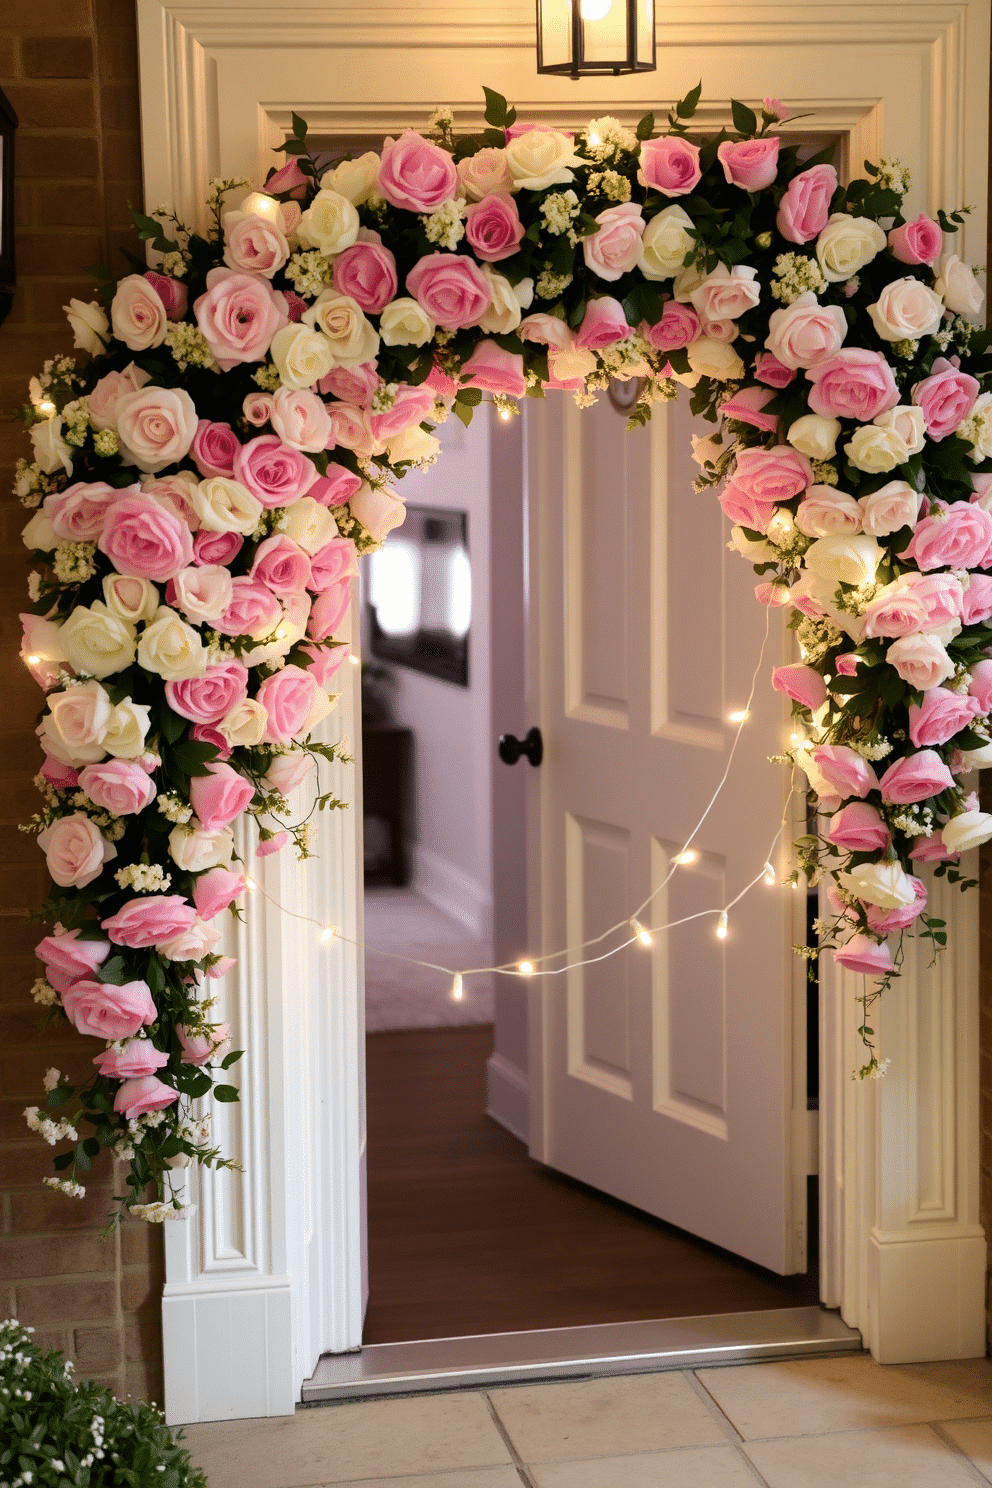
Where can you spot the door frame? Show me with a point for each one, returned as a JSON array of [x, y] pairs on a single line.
[[272, 1257]]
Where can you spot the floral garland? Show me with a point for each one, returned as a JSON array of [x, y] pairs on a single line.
[[204, 484]]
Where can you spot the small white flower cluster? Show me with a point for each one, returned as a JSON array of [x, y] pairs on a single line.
[[308, 273], [144, 878], [173, 265], [156, 1213], [304, 837], [440, 411], [44, 994], [74, 562], [51, 1078], [445, 227], [30, 485], [894, 176], [977, 430], [67, 1186], [384, 397], [872, 749], [145, 1120], [824, 473], [624, 359], [267, 378], [584, 398], [441, 121], [914, 822], [550, 285], [607, 137], [76, 422], [558, 212], [174, 808], [793, 275], [611, 184], [189, 347], [106, 443], [875, 1070], [52, 1131], [220, 186]]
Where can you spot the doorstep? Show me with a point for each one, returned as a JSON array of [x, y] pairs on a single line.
[[578, 1353]]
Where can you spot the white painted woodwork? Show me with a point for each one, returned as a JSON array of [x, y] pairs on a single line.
[[218, 83]]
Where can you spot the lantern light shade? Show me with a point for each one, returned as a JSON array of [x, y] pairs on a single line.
[[582, 38]]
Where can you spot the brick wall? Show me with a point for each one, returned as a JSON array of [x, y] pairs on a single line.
[[69, 67]]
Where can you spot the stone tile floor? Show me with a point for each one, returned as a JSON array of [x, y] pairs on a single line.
[[840, 1422]]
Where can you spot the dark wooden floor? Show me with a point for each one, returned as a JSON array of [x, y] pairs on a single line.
[[468, 1235]]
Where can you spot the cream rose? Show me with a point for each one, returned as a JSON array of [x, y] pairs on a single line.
[[352, 338], [137, 314], [726, 293], [686, 281], [876, 450], [353, 179], [130, 599], [379, 510], [485, 172], [716, 359], [920, 660], [906, 310], [127, 730], [97, 642], [245, 724], [957, 284], [414, 444], [203, 593], [302, 356], [665, 243], [404, 323], [155, 426], [846, 245], [89, 325], [330, 223], [826, 512], [978, 759], [571, 362], [51, 452], [194, 849], [171, 648], [541, 158], [509, 301], [814, 435], [908, 422], [225, 505], [966, 830], [889, 509], [309, 524], [75, 849], [884, 884], [39, 533], [76, 724], [848, 560], [754, 552], [805, 332]]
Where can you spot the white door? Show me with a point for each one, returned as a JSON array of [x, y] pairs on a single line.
[[664, 1076]]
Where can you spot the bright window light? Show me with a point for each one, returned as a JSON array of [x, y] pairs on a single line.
[[394, 588]]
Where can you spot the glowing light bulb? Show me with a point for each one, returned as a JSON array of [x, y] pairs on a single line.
[[592, 136], [457, 987], [526, 968], [721, 926], [594, 10], [355, 660], [795, 738], [259, 204], [740, 715], [644, 936], [505, 415], [327, 934], [686, 857], [769, 875], [786, 597], [34, 660], [47, 407]]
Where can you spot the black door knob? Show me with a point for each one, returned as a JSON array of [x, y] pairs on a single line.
[[511, 748]]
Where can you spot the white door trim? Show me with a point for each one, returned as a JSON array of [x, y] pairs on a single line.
[[273, 1257]]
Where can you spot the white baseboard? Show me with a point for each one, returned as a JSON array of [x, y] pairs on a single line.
[[508, 1096], [453, 891], [228, 1348], [931, 1294]]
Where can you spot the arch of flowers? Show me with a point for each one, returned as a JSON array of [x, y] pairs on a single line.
[[202, 487]]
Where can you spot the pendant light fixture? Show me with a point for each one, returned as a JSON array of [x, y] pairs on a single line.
[[585, 38]]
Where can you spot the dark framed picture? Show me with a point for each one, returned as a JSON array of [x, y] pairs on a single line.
[[8, 276], [418, 592]]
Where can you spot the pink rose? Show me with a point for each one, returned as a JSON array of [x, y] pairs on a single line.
[[300, 419], [336, 487], [149, 920], [350, 428], [329, 609], [193, 944], [670, 164], [367, 272], [920, 660], [741, 507], [109, 1012], [495, 370], [199, 1048], [217, 547], [976, 601], [858, 827], [946, 397], [916, 242], [932, 850], [825, 512], [746, 407], [238, 315], [335, 561], [882, 921], [254, 610], [272, 844], [451, 289], [723, 295], [845, 770], [138, 1057], [802, 684], [615, 249], [254, 245], [281, 565], [980, 686], [863, 955], [144, 541], [915, 777], [137, 314], [493, 227], [214, 448], [379, 510], [679, 326], [546, 329], [69, 959], [354, 385], [603, 324], [940, 716], [775, 595], [775, 474], [891, 507], [806, 332], [896, 613], [854, 383], [79, 513], [769, 370], [287, 771], [118, 785], [273, 472], [172, 292], [288, 697], [214, 890], [136, 1097], [257, 409], [175, 493], [940, 595], [484, 172], [325, 661], [287, 180], [205, 734], [75, 849], [219, 797], [416, 175], [155, 427], [103, 400], [805, 207], [411, 405], [955, 536], [750, 164]]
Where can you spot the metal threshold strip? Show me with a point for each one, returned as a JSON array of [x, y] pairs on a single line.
[[574, 1353]]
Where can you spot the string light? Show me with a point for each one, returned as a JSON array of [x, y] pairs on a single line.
[[525, 968], [355, 660], [457, 987], [47, 407], [721, 926], [505, 415], [250, 882], [644, 936], [769, 875], [327, 934], [740, 715], [34, 661], [684, 858]]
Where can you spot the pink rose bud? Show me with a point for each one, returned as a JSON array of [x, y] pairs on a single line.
[[138, 1057], [199, 1048], [217, 547], [845, 770], [858, 827], [272, 845], [775, 595], [603, 324], [946, 397], [68, 959], [846, 664], [214, 447], [769, 370], [221, 967], [149, 920], [678, 327], [220, 796], [915, 777], [746, 407], [288, 180], [207, 735], [750, 164], [916, 242], [214, 890], [802, 684], [805, 207], [63, 777], [172, 293], [336, 487], [882, 921], [940, 716], [495, 370], [864, 955], [932, 850], [980, 686], [325, 661], [136, 1097]]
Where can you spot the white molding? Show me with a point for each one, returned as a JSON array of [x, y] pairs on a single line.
[[451, 890], [508, 1095]]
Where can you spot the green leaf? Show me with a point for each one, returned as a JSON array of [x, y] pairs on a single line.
[[299, 127], [59, 1096], [744, 119], [645, 127], [83, 1162], [496, 108], [686, 107], [226, 1093], [463, 412], [194, 755], [679, 360], [113, 972], [91, 1147], [469, 397], [231, 1058], [63, 1161]]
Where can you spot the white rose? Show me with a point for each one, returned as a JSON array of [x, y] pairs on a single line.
[[884, 884], [571, 362], [76, 725], [319, 709], [541, 158], [378, 509], [127, 730], [908, 422], [404, 323], [130, 599], [137, 314], [194, 849], [968, 829], [978, 759], [826, 792], [155, 426], [665, 243], [958, 285], [781, 527], [920, 660], [846, 245], [414, 444], [203, 593], [171, 648], [39, 533], [245, 724], [353, 338], [302, 356], [309, 524], [254, 244], [977, 429], [845, 559], [330, 223], [291, 628], [89, 324], [353, 179], [287, 771], [826, 512], [814, 435], [686, 281], [225, 505], [754, 552], [725, 294], [51, 452], [706, 450], [906, 310], [484, 172], [96, 641], [508, 303], [192, 944], [876, 449], [716, 359], [892, 507]]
